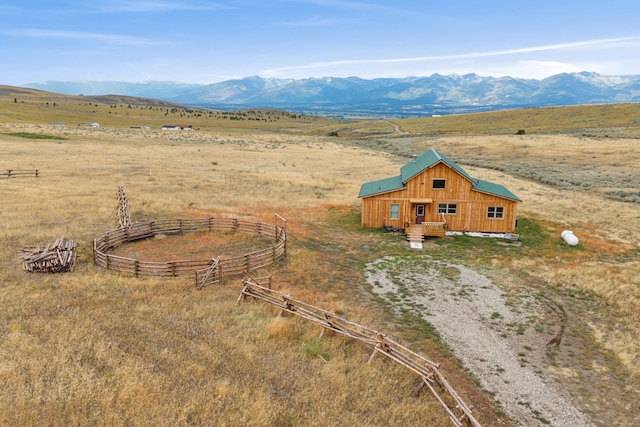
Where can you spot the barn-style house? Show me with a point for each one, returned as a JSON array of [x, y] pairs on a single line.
[[433, 195]]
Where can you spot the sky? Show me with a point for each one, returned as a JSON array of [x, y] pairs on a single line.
[[201, 41]]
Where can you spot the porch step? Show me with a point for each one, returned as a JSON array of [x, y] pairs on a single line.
[[415, 237]]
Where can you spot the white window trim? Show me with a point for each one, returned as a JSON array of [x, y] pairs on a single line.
[[391, 211], [447, 208], [495, 212]]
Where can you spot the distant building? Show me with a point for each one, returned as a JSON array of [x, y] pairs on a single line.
[[94, 124], [177, 127]]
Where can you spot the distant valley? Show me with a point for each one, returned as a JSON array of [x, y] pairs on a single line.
[[355, 97]]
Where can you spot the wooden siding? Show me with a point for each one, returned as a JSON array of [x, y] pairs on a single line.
[[379, 208], [471, 205], [457, 186]]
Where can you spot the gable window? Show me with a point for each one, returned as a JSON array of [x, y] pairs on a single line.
[[495, 212], [394, 212], [447, 208], [439, 184]]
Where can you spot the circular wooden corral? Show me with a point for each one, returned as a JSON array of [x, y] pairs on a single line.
[[230, 266]]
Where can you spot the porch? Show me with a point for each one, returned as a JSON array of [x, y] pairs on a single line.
[[417, 232]]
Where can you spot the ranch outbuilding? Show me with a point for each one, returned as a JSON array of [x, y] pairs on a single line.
[[433, 195]]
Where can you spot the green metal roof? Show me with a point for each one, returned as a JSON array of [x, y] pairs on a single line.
[[428, 159], [425, 161], [381, 186], [495, 189]]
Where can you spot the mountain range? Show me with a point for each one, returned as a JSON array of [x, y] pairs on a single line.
[[384, 97]]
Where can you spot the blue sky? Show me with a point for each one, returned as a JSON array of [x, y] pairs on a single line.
[[200, 41]]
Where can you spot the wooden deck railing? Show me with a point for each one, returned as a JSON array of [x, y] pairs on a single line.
[[433, 228], [459, 413]]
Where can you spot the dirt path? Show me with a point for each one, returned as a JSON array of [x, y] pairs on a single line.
[[500, 341], [396, 128]]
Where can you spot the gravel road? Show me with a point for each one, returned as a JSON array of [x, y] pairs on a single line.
[[494, 337]]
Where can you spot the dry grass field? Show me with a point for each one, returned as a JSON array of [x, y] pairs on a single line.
[[92, 347]]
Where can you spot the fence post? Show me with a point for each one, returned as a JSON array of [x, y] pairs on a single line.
[[284, 246], [219, 264]]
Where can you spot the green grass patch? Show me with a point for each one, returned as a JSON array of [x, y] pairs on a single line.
[[420, 327], [315, 348], [31, 135], [531, 232]]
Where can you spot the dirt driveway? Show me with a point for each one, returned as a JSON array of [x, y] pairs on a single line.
[[502, 341]]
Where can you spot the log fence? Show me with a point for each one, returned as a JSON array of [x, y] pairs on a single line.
[[13, 173], [237, 266], [183, 268], [459, 413]]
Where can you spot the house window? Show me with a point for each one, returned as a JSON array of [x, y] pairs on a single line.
[[395, 211], [447, 208], [439, 184], [495, 212]]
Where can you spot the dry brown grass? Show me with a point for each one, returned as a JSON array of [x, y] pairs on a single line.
[[92, 347]]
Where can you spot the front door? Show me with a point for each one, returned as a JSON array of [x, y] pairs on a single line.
[[419, 214]]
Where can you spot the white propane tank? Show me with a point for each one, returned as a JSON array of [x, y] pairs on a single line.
[[569, 237]]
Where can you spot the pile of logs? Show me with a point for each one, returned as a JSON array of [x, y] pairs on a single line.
[[55, 258]]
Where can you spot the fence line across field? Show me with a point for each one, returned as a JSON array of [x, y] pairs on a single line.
[[14, 173], [459, 413], [183, 268]]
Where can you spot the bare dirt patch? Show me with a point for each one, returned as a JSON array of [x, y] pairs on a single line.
[[193, 246]]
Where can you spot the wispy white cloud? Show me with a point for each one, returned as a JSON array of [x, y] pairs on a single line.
[[582, 45], [340, 4], [314, 22], [132, 6], [82, 35], [347, 4]]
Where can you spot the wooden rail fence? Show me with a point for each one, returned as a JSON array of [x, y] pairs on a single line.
[[183, 268], [223, 267], [13, 173], [459, 413]]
